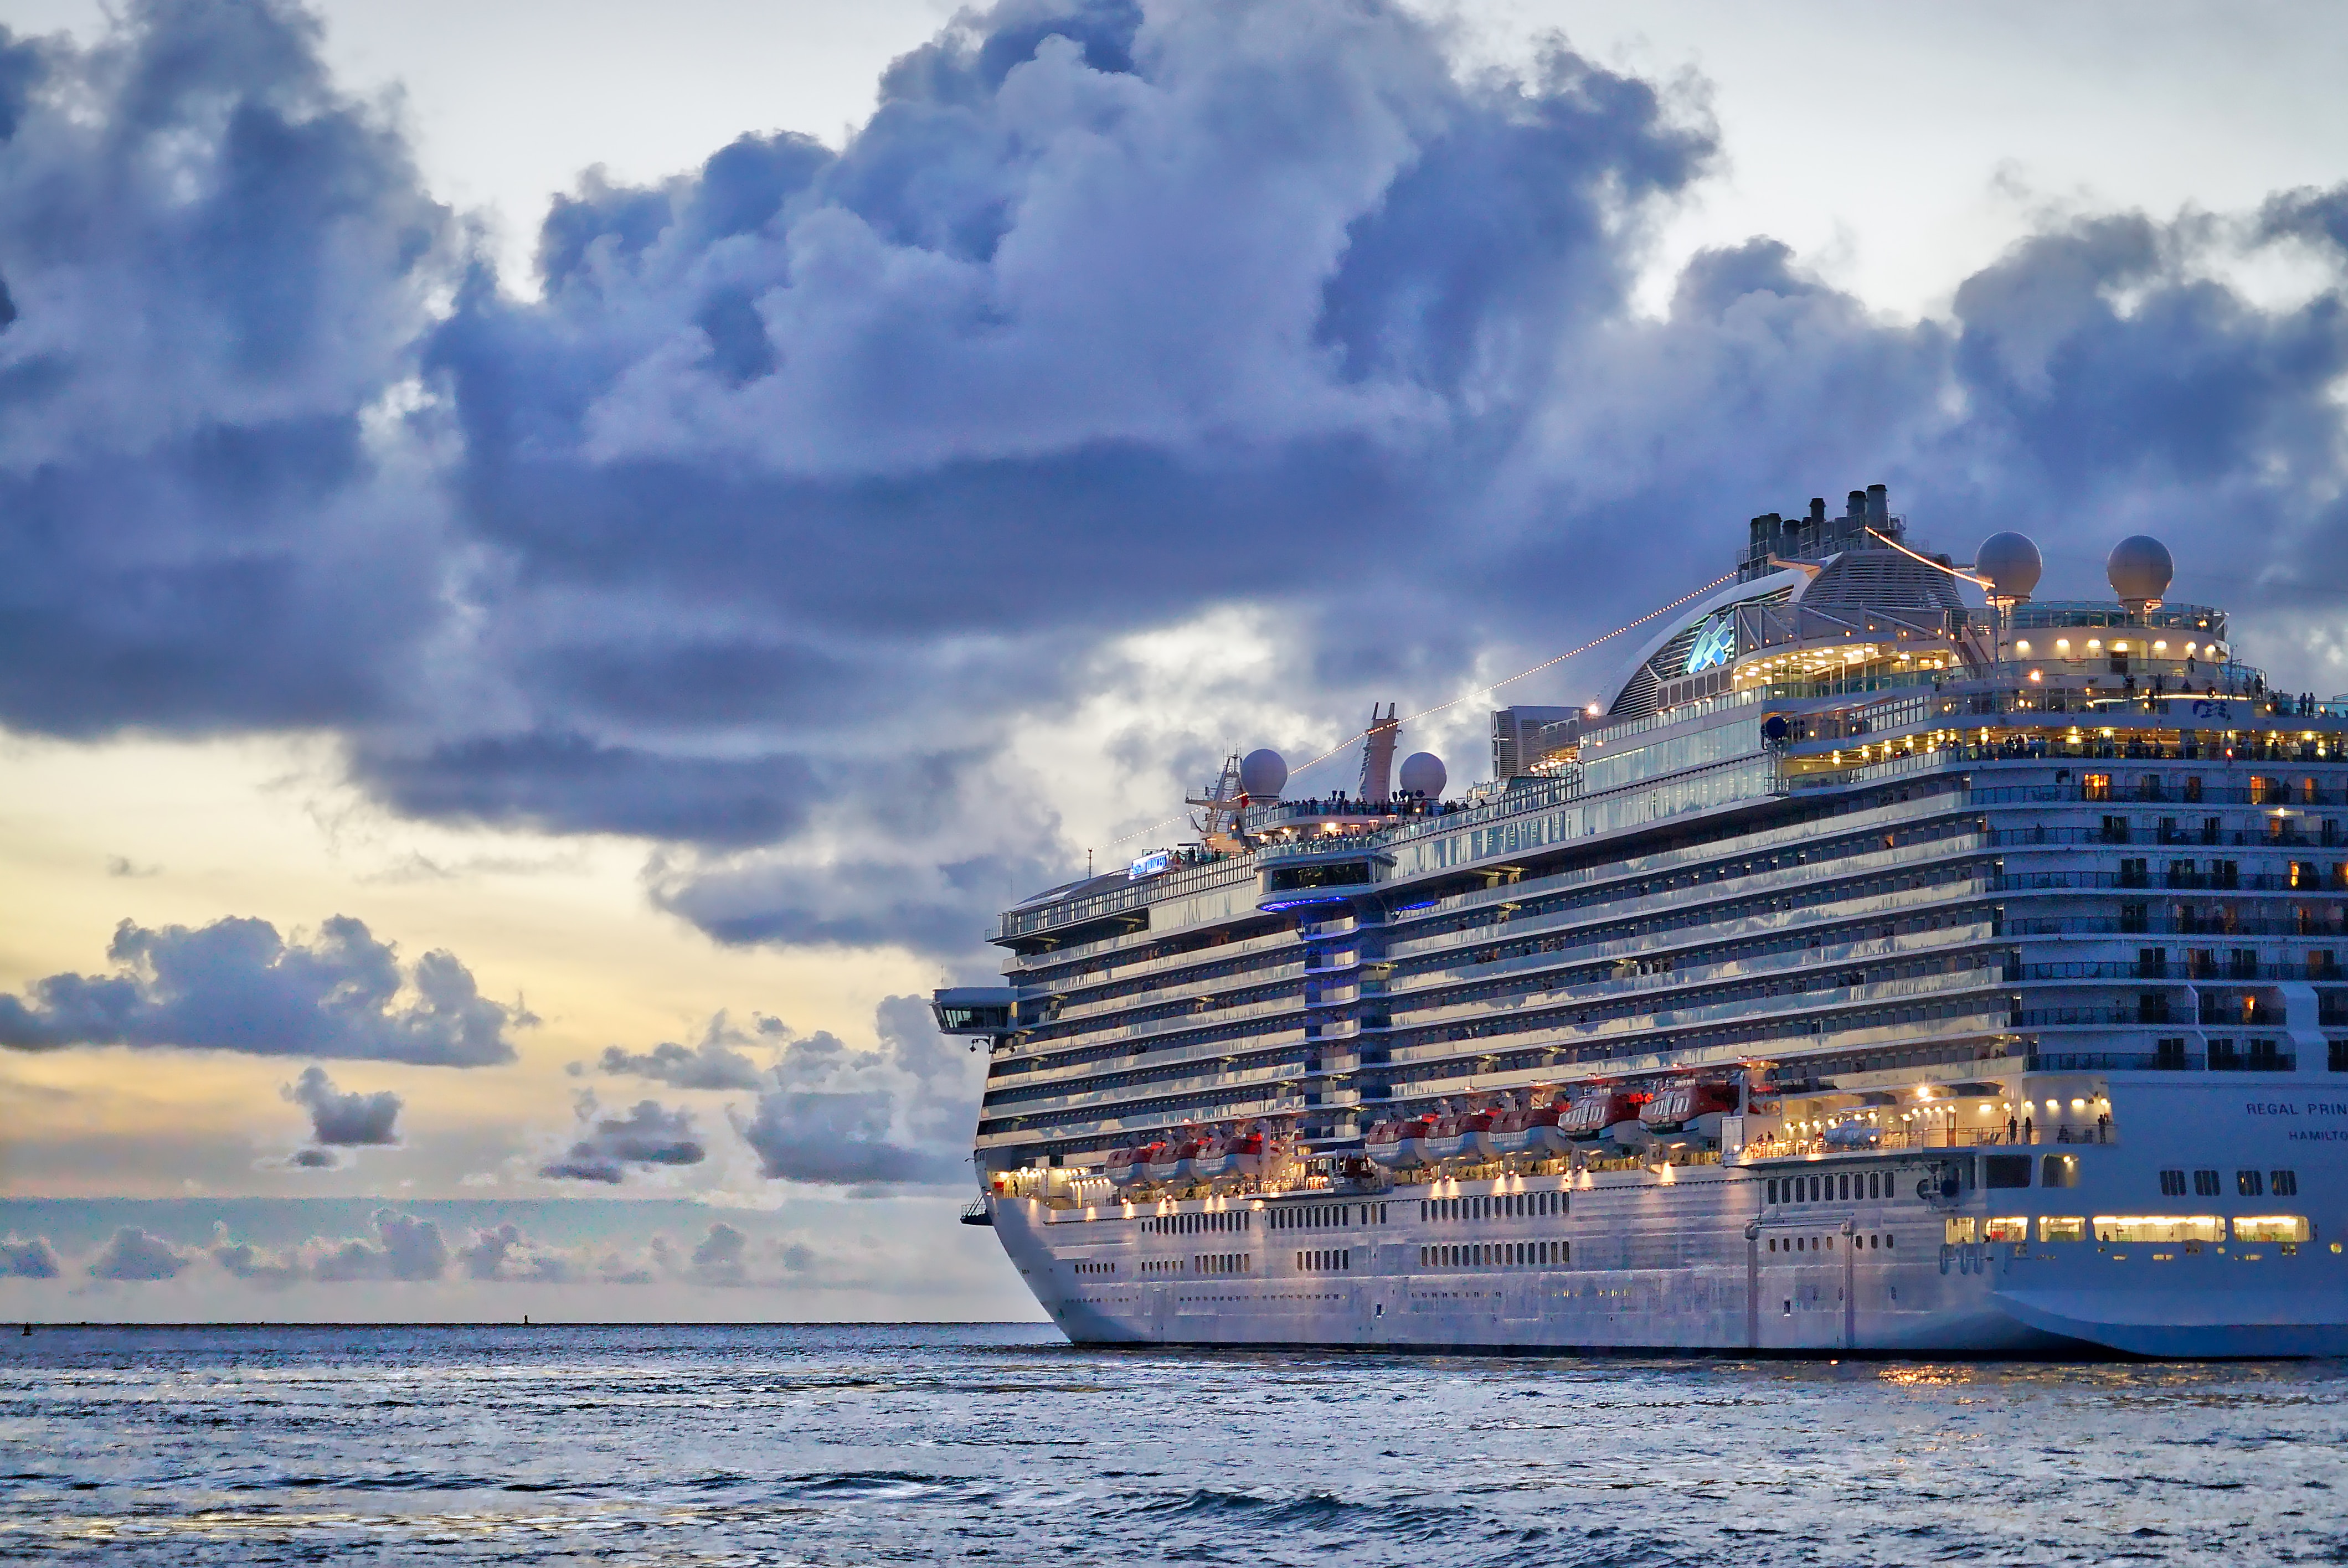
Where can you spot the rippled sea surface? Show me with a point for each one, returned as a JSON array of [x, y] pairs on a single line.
[[861, 1445]]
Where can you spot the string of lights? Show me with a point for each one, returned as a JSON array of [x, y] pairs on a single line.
[[1936, 565]]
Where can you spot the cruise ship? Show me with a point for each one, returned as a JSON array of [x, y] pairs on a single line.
[[1867, 970]]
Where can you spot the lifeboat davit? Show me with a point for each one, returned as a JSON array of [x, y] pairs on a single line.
[[1400, 1144], [1602, 1116], [1688, 1110], [1529, 1130], [1252, 1151]]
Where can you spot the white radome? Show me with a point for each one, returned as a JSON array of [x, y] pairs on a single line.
[[2139, 569], [1423, 774], [2012, 564], [1263, 774]]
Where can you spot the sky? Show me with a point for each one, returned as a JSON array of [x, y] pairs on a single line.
[[553, 578]]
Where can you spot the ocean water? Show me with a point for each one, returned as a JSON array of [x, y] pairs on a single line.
[[872, 1445]]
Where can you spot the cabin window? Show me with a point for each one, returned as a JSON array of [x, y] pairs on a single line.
[[2059, 1171], [2159, 1228], [2006, 1170], [1957, 1231], [2065, 1227], [1773, 1192], [2172, 1183], [2205, 1184], [2285, 1183], [2015, 1228], [2251, 1184], [2271, 1228]]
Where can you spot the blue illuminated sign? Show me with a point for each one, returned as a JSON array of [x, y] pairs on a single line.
[[1715, 645]]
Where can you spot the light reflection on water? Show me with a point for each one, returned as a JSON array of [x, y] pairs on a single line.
[[914, 1445]]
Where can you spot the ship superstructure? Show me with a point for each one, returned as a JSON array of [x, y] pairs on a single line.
[[1863, 970]]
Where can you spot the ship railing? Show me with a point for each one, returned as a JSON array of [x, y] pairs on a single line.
[[2319, 970], [1908, 1140]]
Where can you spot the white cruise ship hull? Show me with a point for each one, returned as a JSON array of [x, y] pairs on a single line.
[[1696, 1259]]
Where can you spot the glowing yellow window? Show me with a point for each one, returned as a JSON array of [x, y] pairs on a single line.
[[2014, 1229], [2062, 1227], [2159, 1228], [1956, 1232], [2271, 1228]]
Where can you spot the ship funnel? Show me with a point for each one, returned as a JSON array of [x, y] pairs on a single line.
[[1377, 756]]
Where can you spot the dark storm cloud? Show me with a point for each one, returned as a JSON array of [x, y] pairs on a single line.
[[650, 1134], [811, 478], [216, 264], [340, 1120], [236, 985]]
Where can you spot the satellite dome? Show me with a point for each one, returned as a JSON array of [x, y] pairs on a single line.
[[2011, 563], [1423, 774], [2140, 569], [1263, 774]]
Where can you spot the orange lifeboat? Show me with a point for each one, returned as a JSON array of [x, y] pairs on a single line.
[[1603, 1115], [1688, 1110], [1401, 1143], [1465, 1136], [1129, 1165]]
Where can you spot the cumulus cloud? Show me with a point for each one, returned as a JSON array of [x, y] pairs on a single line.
[[339, 1120], [404, 1248], [726, 1257], [650, 1134], [899, 1115], [711, 1063], [810, 480], [29, 1257], [131, 1254], [236, 985]]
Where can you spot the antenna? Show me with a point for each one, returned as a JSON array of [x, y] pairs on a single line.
[[1222, 809]]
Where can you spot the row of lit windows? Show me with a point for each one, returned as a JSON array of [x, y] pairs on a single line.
[[1497, 1255], [1326, 1260], [1494, 1206], [2127, 1228], [1225, 1263]]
